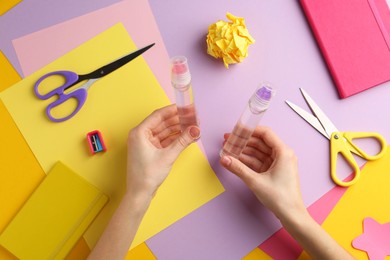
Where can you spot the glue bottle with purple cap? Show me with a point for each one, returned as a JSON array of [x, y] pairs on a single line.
[[249, 119], [181, 82]]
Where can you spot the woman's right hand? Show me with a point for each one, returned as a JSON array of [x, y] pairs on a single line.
[[269, 168]]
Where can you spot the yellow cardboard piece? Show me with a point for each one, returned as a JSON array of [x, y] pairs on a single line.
[[369, 197], [80, 251], [20, 173], [257, 254], [54, 217], [5, 255], [115, 104], [141, 251], [19, 178], [8, 75], [6, 5]]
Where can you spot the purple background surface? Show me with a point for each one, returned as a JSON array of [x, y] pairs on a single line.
[[286, 54]]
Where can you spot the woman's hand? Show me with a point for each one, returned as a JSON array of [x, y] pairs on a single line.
[[269, 168], [153, 147]]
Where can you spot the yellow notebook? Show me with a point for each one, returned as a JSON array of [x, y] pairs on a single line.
[[54, 217]]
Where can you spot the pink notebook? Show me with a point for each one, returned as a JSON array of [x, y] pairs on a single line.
[[354, 38]]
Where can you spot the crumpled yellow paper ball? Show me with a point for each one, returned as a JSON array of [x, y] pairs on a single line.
[[229, 40]]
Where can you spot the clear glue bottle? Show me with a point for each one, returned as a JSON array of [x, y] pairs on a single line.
[[181, 82], [243, 130]]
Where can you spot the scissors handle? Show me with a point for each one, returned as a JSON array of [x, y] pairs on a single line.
[[342, 143], [71, 79], [349, 136], [79, 94]]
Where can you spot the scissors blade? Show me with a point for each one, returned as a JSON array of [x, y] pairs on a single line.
[[107, 69], [328, 126], [312, 120]]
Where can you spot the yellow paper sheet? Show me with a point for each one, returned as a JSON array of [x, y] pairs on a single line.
[[369, 197], [20, 173], [5, 5], [256, 254], [79, 252], [8, 75], [115, 104], [141, 251]]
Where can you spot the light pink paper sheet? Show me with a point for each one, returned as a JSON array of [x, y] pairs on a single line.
[[42, 47]]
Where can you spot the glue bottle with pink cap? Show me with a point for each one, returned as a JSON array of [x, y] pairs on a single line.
[[249, 119], [181, 82]]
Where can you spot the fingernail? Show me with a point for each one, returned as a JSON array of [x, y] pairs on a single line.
[[195, 132], [226, 160]]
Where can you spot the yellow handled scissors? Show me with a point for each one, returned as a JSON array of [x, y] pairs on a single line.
[[340, 142]]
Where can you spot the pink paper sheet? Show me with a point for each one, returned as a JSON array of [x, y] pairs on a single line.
[[42, 47]]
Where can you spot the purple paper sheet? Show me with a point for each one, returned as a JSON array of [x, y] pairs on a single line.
[[286, 54], [30, 16]]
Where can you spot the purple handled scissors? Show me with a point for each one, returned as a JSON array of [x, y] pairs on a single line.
[[80, 93]]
